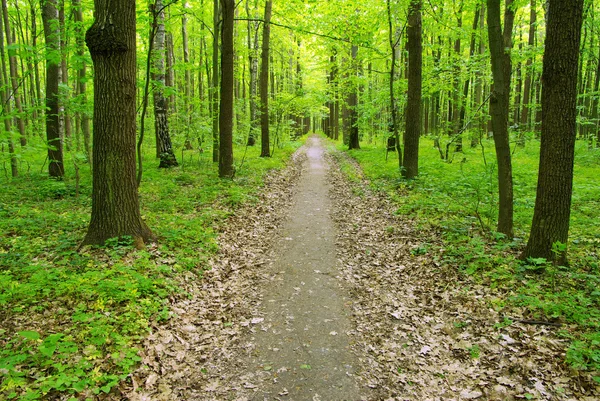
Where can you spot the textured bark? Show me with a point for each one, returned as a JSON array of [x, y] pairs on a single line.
[[14, 167], [413, 107], [115, 204], [500, 43], [14, 77], [264, 83], [479, 85], [84, 119], [164, 147], [527, 98], [559, 99], [215, 81], [52, 35], [226, 169]]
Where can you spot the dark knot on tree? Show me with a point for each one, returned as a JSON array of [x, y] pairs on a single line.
[[103, 40]]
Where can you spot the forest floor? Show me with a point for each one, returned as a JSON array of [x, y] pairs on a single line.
[[321, 292]]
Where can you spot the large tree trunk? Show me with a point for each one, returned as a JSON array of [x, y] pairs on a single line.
[[501, 69], [161, 117], [226, 111], [559, 100], [52, 35], [527, 98], [115, 204], [413, 107], [81, 77], [14, 76], [264, 83]]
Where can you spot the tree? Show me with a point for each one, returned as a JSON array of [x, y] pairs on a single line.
[[264, 83], [84, 120], [14, 75], [52, 36], [413, 107], [215, 81], [253, 67], [115, 204], [559, 99], [525, 115], [161, 118], [394, 123], [500, 44], [6, 109], [353, 142], [227, 79]]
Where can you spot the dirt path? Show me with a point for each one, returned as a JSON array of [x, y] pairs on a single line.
[[302, 349], [320, 291]]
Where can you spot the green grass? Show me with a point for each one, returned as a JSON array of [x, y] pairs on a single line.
[[458, 200], [72, 321]]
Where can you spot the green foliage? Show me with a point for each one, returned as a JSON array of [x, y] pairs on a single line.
[[458, 200], [72, 321]]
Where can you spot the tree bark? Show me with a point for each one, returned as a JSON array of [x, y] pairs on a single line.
[[161, 116], [413, 107], [253, 66], [500, 43], [14, 166], [14, 76], [394, 122], [226, 169], [215, 82], [559, 99], [527, 98], [52, 35], [264, 83], [115, 204], [64, 117], [81, 77], [353, 142]]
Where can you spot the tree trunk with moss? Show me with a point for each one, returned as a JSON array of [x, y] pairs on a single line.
[[115, 203]]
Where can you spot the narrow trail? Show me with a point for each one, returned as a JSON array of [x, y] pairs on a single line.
[[321, 291], [302, 349]]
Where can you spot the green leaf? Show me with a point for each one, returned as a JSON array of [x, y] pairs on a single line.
[[30, 335]]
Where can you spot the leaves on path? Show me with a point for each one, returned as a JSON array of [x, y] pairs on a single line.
[[425, 332]]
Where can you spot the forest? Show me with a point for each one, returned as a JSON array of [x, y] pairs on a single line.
[[185, 180]]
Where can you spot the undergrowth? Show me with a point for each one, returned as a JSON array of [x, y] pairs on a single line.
[[458, 200], [71, 322]]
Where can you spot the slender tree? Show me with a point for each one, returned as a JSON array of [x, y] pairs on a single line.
[[525, 112], [115, 204], [264, 83], [559, 99], [500, 45], [14, 76], [215, 81], [84, 119], [413, 107], [6, 107], [161, 117], [253, 66], [52, 35], [353, 142], [226, 169]]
